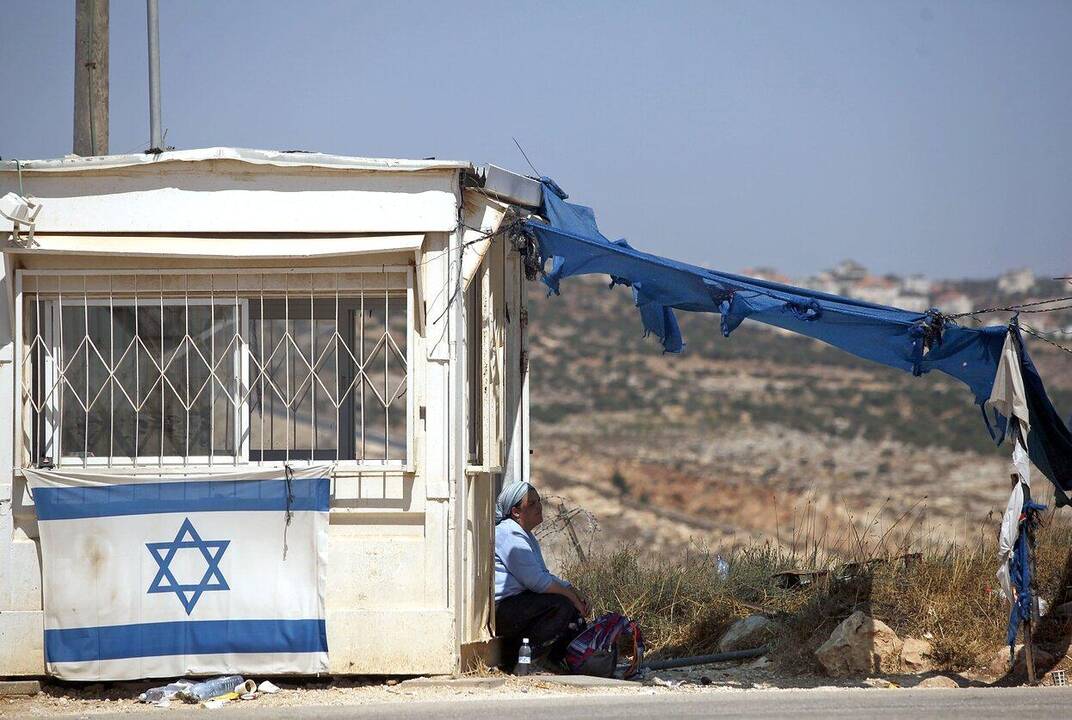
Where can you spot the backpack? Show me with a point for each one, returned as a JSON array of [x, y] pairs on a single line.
[[595, 650]]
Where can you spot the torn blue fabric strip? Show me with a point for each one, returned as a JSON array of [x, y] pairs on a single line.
[[912, 341], [1020, 573]]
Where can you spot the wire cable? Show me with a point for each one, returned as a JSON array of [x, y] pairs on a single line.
[[1018, 308], [1043, 338]]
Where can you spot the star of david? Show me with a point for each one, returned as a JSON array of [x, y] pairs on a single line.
[[164, 553]]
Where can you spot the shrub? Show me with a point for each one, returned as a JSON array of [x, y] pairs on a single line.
[[943, 593]]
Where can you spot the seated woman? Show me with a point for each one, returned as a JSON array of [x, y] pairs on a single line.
[[530, 602]]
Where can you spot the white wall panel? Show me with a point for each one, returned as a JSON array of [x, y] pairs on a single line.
[[226, 197]]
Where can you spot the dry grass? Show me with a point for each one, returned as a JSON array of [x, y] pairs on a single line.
[[946, 593]]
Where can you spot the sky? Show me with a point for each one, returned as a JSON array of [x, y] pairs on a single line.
[[929, 137]]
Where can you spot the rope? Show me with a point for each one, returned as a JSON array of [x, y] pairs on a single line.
[[486, 234], [1018, 308], [289, 473], [1045, 339], [465, 245]]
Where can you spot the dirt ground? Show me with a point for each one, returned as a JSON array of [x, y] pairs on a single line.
[[84, 700]]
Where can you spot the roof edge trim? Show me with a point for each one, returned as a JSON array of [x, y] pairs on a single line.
[[274, 158]]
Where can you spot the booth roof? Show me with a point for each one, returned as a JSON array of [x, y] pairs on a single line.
[[278, 158]]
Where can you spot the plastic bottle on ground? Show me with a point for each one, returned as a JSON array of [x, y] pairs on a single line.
[[722, 568], [164, 692], [209, 689], [524, 658]]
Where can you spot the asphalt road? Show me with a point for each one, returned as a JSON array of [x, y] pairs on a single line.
[[968, 704]]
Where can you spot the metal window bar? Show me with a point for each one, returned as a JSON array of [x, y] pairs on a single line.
[[360, 329], [60, 369], [212, 372], [386, 375], [53, 367], [85, 344], [111, 374], [163, 394], [286, 360], [335, 341], [312, 375], [241, 374], [137, 376]]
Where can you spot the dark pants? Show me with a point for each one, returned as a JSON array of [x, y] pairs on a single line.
[[543, 618]]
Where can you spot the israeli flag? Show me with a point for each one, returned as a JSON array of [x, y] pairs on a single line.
[[148, 577]]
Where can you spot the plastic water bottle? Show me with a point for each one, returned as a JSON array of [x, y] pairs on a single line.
[[164, 692], [524, 658], [208, 689], [722, 568]]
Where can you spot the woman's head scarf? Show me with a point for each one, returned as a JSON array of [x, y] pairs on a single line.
[[510, 496]]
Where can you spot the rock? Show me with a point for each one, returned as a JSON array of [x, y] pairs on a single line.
[[747, 633], [999, 663], [880, 683], [861, 645], [938, 681], [759, 663], [914, 655]]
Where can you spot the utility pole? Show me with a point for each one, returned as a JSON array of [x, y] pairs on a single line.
[[91, 77], [152, 21]]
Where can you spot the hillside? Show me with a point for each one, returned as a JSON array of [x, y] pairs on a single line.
[[753, 435]]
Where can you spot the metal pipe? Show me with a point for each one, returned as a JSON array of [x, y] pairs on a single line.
[[704, 659], [156, 140]]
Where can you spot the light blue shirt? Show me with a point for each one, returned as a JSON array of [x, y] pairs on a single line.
[[519, 564]]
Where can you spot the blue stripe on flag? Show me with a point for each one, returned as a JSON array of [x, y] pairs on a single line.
[[195, 637], [69, 503]]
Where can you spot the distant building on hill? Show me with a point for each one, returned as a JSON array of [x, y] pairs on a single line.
[[953, 302], [913, 301], [916, 285], [849, 271], [879, 290], [1017, 281], [823, 282]]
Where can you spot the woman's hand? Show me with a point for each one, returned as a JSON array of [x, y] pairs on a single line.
[[573, 595]]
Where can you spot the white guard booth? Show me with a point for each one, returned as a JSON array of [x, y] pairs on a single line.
[[217, 311]]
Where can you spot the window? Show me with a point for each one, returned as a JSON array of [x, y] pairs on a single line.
[[154, 368], [343, 366]]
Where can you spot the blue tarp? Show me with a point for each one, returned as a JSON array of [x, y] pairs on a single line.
[[570, 244], [1020, 570]]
